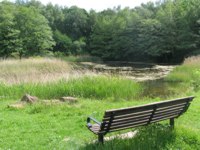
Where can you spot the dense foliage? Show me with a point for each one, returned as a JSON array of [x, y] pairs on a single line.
[[165, 31]]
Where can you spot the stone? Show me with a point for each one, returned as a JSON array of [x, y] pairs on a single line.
[[69, 99], [29, 99]]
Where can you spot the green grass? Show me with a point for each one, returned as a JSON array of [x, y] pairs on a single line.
[[99, 87], [62, 126], [188, 72], [43, 126], [182, 73], [81, 58], [154, 137]]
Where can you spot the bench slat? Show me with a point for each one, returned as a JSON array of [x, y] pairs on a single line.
[[128, 111], [128, 124], [175, 115], [146, 107], [143, 113], [164, 118], [127, 127], [168, 112], [129, 118], [172, 107], [129, 121]]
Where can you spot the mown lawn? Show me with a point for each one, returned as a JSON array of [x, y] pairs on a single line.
[[62, 126], [59, 126]]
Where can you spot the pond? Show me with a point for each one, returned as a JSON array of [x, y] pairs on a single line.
[[135, 71], [151, 76]]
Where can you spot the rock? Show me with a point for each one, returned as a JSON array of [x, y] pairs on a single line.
[[29, 99], [69, 99]]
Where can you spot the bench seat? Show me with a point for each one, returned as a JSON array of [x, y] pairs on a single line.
[[95, 128]]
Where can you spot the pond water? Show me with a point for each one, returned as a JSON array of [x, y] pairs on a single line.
[[149, 75]]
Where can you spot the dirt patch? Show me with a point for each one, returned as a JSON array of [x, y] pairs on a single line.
[[68, 99], [127, 135], [50, 102], [18, 105]]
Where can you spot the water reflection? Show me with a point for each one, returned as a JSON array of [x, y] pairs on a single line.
[[160, 88]]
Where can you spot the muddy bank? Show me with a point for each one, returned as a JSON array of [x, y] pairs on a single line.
[[134, 71]]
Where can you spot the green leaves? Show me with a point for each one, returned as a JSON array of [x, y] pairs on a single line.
[[165, 31], [35, 33], [23, 30], [162, 32], [9, 35], [63, 42]]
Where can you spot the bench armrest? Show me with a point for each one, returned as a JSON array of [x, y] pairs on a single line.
[[93, 119]]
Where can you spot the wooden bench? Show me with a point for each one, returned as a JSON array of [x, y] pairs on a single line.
[[125, 118]]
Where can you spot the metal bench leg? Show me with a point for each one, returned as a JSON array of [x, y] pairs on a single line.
[[171, 122], [100, 138]]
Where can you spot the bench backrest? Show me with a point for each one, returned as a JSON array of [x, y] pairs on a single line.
[[119, 119]]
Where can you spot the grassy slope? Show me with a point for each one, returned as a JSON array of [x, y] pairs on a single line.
[[42, 126]]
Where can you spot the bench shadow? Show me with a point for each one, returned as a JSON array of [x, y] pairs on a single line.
[[152, 137]]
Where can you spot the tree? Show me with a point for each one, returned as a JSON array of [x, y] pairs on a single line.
[[54, 14], [78, 47], [165, 31], [76, 23], [9, 36], [35, 33], [63, 42]]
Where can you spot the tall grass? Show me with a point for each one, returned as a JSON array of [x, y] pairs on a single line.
[[99, 87], [53, 78], [188, 72], [32, 70], [193, 61], [80, 58]]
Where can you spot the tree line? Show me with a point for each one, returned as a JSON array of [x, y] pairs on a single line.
[[165, 31]]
